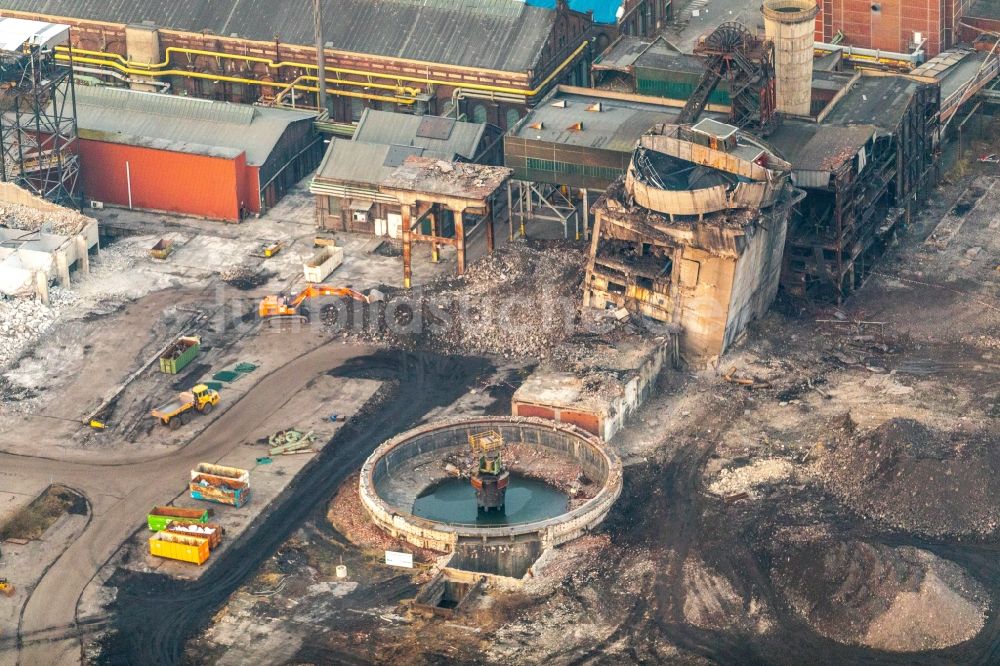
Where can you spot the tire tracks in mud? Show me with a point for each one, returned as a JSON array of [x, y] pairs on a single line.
[[664, 510]]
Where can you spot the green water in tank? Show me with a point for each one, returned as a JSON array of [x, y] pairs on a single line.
[[454, 501]]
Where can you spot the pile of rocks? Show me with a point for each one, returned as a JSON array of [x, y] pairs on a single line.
[[64, 221], [900, 599], [23, 320]]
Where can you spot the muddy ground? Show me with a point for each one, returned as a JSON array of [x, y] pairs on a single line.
[[845, 511]]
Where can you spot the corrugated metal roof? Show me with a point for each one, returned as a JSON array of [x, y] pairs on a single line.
[[183, 124], [362, 163], [504, 35], [401, 129], [617, 126]]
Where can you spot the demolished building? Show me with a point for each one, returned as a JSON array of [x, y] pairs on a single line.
[[693, 234], [865, 167]]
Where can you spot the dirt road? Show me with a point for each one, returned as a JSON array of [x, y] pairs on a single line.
[[154, 616], [116, 492]]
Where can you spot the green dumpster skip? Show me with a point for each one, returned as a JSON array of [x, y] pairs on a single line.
[[179, 354], [161, 516]]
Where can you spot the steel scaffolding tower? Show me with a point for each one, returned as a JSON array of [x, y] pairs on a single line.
[[38, 129]]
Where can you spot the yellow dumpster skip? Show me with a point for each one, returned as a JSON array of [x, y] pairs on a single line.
[[209, 531], [192, 549]]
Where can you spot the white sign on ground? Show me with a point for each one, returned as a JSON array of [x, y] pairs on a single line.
[[394, 559]]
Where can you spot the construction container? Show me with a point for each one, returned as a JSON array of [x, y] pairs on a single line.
[[217, 483], [222, 491], [161, 516], [180, 547], [208, 531], [324, 262], [162, 249], [178, 355], [221, 472]]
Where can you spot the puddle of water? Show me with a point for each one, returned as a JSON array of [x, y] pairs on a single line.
[[454, 501]]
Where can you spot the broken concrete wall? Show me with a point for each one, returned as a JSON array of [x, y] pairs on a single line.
[[562, 396], [704, 282], [31, 260], [758, 273]]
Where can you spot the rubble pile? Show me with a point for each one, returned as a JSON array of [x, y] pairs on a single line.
[[911, 477], [748, 478], [244, 277], [518, 302], [65, 222], [23, 320], [892, 598]]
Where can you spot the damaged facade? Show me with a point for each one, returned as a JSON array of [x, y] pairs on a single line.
[[865, 167], [693, 234]]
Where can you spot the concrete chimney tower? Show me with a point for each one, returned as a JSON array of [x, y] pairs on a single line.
[[790, 25]]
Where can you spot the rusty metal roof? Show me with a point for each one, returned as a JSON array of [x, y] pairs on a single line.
[[504, 35], [434, 177], [811, 147], [364, 163]]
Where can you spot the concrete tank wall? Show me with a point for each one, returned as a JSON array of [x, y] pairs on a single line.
[[598, 462], [790, 25]]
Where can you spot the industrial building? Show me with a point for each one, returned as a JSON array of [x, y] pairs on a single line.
[[693, 235], [897, 25], [190, 156], [862, 145], [347, 182], [580, 140], [38, 129], [619, 17], [653, 67], [41, 242], [865, 170], [486, 59], [442, 203]]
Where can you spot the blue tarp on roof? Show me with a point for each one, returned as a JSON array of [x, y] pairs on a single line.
[[604, 10]]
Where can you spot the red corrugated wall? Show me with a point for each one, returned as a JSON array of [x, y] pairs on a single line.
[[252, 189], [183, 183]]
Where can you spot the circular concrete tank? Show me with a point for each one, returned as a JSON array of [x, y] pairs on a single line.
[[598, 463], [790, 25]]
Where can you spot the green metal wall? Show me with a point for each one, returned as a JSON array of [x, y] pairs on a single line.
[[675, 85], [560, 164]]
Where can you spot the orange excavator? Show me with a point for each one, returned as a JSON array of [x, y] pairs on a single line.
[[282, 305]]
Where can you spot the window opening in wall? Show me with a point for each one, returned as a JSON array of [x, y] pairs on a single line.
[[479, 113]]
